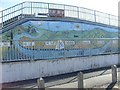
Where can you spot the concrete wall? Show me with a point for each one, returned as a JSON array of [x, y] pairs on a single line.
[[16, 71]]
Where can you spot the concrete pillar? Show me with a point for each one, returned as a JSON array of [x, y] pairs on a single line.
[[114, 74], [80, 80], [41, 84]]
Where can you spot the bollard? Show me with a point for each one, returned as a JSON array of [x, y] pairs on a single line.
[[80, 80], [41, 84], [114, 74]]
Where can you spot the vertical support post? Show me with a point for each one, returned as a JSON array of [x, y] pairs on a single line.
[[78, 11], [109, 19], [95, 15], [22, 8], [114, 74], [64, 11], [31, 7], [48, 10], [80, 80], [2, 19], [41, 84]]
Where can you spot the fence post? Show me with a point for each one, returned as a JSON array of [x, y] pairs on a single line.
[[80, 80], [2, 21], [41, 84], [78, 11], [109, 18], [95, 15], [31, 7], [114, 74]]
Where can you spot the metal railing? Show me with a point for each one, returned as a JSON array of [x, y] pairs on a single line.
[[18, 50], [70, 11]]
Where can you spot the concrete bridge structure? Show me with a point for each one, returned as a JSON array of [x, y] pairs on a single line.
[[46, 39]]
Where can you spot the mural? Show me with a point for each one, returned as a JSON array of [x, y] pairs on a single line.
[[57, 39]]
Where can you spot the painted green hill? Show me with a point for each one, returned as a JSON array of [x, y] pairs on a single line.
[[98, 33], [95, 33], [68, 34]]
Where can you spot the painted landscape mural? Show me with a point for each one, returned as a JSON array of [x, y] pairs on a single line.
[[57, 39]]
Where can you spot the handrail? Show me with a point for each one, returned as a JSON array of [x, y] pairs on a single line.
[[13, 12], [6, 15]]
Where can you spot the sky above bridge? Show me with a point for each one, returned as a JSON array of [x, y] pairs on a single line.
[[107, 6]]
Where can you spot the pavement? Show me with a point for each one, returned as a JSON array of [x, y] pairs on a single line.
[[103, 81], [93, 79]]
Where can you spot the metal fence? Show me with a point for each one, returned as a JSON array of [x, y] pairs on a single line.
[[70, 11], [33, 50], [20, 50]]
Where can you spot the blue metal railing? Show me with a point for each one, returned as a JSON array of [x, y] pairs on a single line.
[[15, 52], [32, 50], [70, 11]]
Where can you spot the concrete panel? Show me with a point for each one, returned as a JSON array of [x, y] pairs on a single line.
[[16, 71]]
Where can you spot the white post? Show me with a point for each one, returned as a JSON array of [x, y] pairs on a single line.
[[114, 74], [41, 84], [80, 80]]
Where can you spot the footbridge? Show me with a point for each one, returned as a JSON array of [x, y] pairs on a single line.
[[46, 39]]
